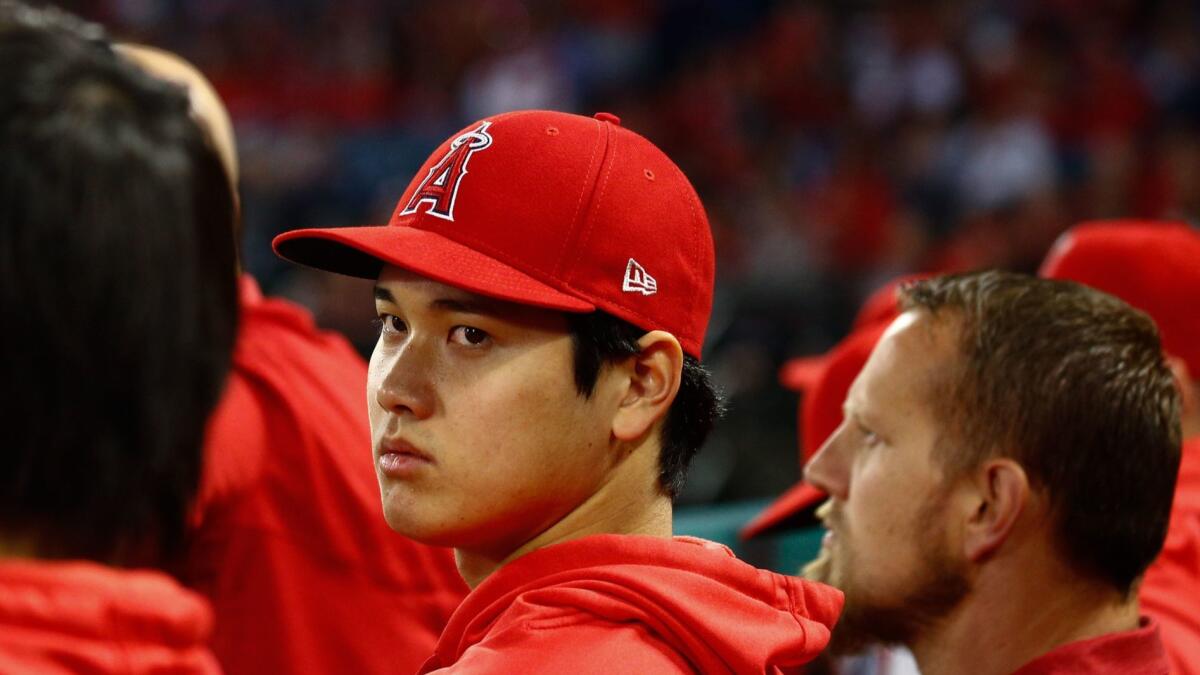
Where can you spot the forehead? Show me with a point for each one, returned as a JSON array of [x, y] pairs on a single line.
[[912, 357], [398, 286]]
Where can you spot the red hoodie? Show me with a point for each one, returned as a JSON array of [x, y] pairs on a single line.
[[636, 604], [86, 619], [289, 540], [1171, 590]]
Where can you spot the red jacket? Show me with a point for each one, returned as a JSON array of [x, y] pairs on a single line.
[[86, 619], [290, 544], [1171, 590], [634, 604], [1134, 652]]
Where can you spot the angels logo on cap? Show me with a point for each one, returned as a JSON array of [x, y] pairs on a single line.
[[440, 187]]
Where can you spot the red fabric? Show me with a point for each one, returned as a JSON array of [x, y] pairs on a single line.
[[1134, 652], [634, 604], [1154, 266], [1170, 592], [290, 542], [548, 209], [83, 618]]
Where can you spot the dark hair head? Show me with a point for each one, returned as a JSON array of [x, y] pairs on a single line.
[[601, 338], [117, 296], [1071, 383]]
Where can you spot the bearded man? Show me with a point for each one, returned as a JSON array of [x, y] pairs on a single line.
[[1002, 479]]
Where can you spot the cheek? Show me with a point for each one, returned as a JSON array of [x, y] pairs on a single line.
[[880, 512], [534, 424], [375, 375]]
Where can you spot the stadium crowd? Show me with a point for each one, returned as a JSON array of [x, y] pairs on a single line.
[[835, 145]]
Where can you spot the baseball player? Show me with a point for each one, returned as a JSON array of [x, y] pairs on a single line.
[[1002, 479], [1156, 267], [535, 398], [286, 539], [114, 348]]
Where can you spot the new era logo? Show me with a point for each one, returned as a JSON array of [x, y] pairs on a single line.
[[638, 280]]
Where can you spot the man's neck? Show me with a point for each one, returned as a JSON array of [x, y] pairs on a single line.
[[630, 502], [1014, 616], [1191, 426]]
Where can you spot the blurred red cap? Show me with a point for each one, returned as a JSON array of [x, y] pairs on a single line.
[[802, 373], [1153, 266], [821, 414], [824, 380]]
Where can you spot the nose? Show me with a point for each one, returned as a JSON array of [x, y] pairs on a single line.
[[401, 380], [829, 469]]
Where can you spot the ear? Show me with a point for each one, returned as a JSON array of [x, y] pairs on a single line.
[[1000, 494], [1183, 382], [654, 374]]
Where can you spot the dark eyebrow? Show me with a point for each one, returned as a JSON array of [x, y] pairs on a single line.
[[384, 294]]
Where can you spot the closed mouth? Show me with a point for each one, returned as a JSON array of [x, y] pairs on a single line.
[[399, 446]]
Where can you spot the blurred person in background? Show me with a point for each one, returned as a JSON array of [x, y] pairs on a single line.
[[1155, 267], [822, 381], [118, 303], [834, 144], [287, 542], [1001, 481]]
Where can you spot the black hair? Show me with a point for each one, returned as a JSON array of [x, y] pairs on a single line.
[[1072, 383], [118, 295], [600, 338]]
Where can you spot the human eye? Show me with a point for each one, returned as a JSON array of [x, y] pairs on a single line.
[[469, 336], [870, 438], [390, 324]]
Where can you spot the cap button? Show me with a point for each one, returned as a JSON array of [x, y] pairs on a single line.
[[608, 117]]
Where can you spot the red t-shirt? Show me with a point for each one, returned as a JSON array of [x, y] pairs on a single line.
[[634, 604], [1171, 590], [1134, 652], [82, 618], [289, 540]]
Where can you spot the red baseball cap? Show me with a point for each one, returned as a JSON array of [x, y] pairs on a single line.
[[824, 380], [1153, 266], [802, 373], [547, 209]]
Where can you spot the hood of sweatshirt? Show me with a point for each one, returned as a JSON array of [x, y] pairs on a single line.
[[715, 611], [81, 617]]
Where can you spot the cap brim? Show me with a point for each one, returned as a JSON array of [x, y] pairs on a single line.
[[363, 251], [802, 373], [793, 507]]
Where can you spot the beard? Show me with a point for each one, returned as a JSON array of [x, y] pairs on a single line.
[[940, 584]]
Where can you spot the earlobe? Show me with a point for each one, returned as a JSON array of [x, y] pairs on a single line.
[[1002, 491], [654, 375], [1183, 382]]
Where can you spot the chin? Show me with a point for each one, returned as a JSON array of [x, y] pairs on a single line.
[[400, 519]]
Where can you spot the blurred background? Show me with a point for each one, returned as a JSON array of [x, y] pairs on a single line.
[[834, 144]]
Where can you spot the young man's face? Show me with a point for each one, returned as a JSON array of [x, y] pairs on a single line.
[[481, 439], [890, 544]]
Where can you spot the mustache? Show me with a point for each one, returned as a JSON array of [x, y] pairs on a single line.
[[830, 515]]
